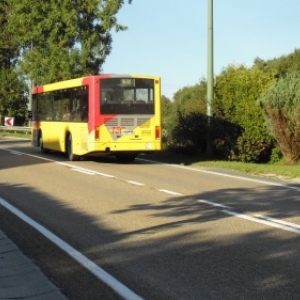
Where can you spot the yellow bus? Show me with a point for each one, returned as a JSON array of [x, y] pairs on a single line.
[[98, 115]]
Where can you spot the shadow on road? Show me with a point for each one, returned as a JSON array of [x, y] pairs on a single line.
[[183, 255]]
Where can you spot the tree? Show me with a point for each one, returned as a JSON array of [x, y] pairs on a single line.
[[236, 92], [186, 132], [282, 65], [192, 98], [64, 39], [12, 88], [166, 115], [281, 105]]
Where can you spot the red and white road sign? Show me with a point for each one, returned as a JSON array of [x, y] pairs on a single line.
[[9, 121]]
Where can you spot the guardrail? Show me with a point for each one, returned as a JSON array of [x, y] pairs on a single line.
[[16, 129]]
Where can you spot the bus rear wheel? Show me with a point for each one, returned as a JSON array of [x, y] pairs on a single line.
[[71, 155]]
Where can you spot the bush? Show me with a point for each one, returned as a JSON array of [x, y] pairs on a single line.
[[281, 105], [276, 155]]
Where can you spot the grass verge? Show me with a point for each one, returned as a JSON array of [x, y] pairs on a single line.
[[278, 170], [15, 134]]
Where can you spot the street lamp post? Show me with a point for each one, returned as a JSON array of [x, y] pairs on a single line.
[[210, 77]]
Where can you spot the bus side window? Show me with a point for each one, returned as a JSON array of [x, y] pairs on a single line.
[[75, 109], [67, 114], [65, 104], [77, 104], [56, 106], [34, 106], [79, 110], [84, 105]]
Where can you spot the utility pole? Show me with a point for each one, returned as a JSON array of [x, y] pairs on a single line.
[[210, 77], [30, 83], [29, 105]]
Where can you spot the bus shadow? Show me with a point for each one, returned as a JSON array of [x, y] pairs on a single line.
[[24, 145]]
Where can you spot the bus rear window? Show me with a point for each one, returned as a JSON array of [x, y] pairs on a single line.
[[127, 96]]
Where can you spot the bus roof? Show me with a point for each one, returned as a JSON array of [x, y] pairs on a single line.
[[77, 82]]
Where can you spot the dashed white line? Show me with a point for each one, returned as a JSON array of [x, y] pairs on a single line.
[[62, 164], [105, 175], [256, 218], [83, 171], [86, 171], [262, 221], [135, 183], [290, 224], [170, 192], [280, 224], [213, 203]]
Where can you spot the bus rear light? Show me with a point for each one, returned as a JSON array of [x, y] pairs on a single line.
[[157, 132], [97, 135]]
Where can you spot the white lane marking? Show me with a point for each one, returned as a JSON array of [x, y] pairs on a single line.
[[290, 224], [16, 152], [261, 181], [135, 182], [170, 192], [265, 222], [213, 203], [117, 286], [280, 224], [87, 171], [105, 175], [175, 193], [91, 172], [63, 164], [83, 171]]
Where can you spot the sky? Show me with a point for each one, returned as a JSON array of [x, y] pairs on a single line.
[[168, 38]]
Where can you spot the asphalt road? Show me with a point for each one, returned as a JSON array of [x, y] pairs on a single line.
[[162, 231]]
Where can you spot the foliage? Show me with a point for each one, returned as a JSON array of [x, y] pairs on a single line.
[[13, 101], [276, 155], [13, 87], [166, 110], [281, 105], [283, 65], [239, 130], [189, 106], [191, 99], [237, 89], [9, 49], [63, 39], [189, 135]]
